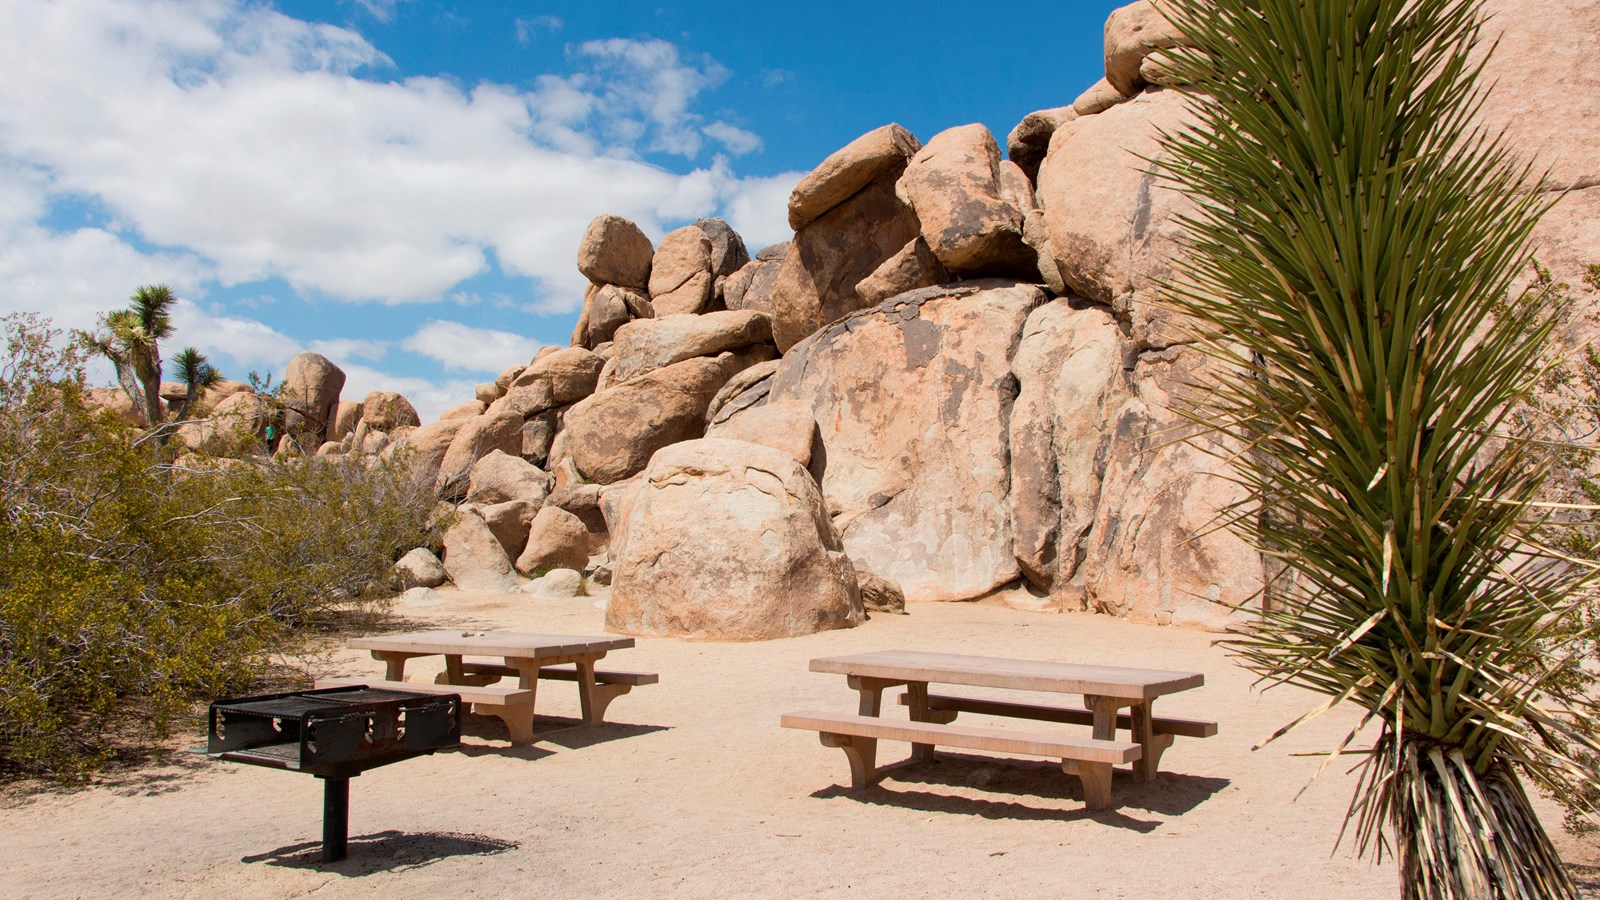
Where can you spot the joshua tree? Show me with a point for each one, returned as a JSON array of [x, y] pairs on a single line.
[[196, 373], [1352, 236], [131, 338]]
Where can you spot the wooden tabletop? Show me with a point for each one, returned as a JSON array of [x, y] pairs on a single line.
[[510, 644], [1018, 674]]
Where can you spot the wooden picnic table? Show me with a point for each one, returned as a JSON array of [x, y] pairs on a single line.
[[527, 656], [1114, 697]]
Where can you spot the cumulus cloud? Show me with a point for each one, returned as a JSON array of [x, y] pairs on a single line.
[[459, 347], [247, 138], [736, 140]]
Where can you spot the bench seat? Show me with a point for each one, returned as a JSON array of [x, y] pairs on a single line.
[[511, 705], [1089, 759], [607, 686]]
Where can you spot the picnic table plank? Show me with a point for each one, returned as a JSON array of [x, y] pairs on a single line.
[[490, 643], [910, 666]]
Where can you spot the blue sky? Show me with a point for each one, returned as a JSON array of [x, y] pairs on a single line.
[[401, 185]]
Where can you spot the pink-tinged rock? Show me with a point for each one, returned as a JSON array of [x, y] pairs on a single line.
[[1069, 366], [648, 344], [680, 273], [113, 402], [500, 477], [729, 541], [915, 266], [312, 384], [612, 435], [467, 410], [487, 393], [728, 252], [912, 399], [557, 540], [787, 425], [613, 307], [510, 521], [1133, 32], [476, 439], [1113, 223], [1027, 143], [615, 251], [427, 446], [878, 154], [832, 254], [1100, 97], [569, 373], [387, 410], [420, 568], [473, 556], [751, 287], [1154, 552], [953, 184]]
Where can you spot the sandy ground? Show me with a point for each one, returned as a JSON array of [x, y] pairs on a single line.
[[694, 790]]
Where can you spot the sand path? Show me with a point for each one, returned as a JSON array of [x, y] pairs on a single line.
[[696, 791]]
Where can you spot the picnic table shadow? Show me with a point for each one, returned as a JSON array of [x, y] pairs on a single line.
[[385, 851], [1171, 794], [570, 733]]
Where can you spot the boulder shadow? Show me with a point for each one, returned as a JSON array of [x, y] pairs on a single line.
[[385, 851], [1171, 794]]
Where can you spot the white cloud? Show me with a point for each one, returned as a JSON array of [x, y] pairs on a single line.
[[341, 350], [735, 139], [429, 398], [240, 137], [530, 26], [460, 347]]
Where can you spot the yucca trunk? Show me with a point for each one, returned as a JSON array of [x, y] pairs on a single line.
[[1461, 834]]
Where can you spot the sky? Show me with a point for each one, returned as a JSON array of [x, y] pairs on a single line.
[[401, 185]]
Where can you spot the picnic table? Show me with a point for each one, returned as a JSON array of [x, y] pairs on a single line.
[[1114, 698], [525, 656]]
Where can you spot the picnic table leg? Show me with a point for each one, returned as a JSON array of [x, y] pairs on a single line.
[[917, 700], [394, 664], [592, 710], [452, 669], [863, 752], [1153, 744]]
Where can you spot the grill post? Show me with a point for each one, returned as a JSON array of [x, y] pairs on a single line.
[[335, 817]]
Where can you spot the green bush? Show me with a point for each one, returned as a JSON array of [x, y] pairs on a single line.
[[128, 583]]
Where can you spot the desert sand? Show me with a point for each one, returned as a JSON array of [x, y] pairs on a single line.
[[693, 789]]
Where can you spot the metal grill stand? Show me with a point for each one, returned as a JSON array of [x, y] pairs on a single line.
[[334, 734]]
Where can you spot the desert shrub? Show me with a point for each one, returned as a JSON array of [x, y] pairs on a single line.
[[128, 584]]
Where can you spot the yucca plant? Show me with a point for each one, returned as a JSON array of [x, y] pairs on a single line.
[[131, 339], [1353, 233], [197, 373]]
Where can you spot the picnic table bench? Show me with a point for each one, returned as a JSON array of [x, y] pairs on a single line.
[[1107, 691], [527, 657]]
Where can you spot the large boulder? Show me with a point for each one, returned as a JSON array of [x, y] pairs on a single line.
[[476, 439], [236, 424], [878, 154], [953, 184], [615, 251], [728, 253], [500, 477], [743, 391], [1069, 366], [915, 266], [114, 402], [1155, 551], [1028, 143], [912, 398], [610, 307], [510, 522], [832, 254], [346, 415], [474, 557], [569, 374], [428, 445], [786, 425], [1113, 224], [612, 435], [729, 541], [420, 568], [752, 285], [311, 386], [681, 277], [557, 539], [1132, 33], [387, 410], [649, 344]]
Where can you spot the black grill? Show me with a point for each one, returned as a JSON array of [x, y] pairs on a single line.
[[334, 734]]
